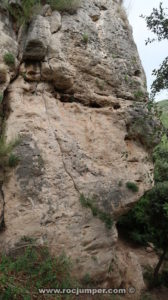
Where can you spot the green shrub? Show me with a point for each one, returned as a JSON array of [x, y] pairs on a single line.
[[9, 59], [144, 128], [132, 186], [160, 157], [163, 108], [139, 95], [86, 279], [24, 14], [161, 171], [162, 278], [134, 224], [126, 78], [30, 8], [106, 218], [1, 98], [85, 38], [13, 160], [161, 151], [3, 74], [32, 268], [64, 5], [6, 148]]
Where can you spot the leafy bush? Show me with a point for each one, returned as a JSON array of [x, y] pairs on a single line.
[[9, 59], [6, 156], [134, 224], [148, 222], [144, 127], [3, 73], [160, 157], [13, 160], [85, 38], [162, 278], [157, 211], [86, 279], [64, 5], [1, 98], [32, 268], [132, 186], [139, 95], [161, 151], [141, 223], [29, 8], [161, 171], [25, 12], [106, 218]]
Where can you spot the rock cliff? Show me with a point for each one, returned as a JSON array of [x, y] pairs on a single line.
[[75, 96]]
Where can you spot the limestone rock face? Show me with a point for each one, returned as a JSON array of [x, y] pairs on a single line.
[[78, 86], [37, 39], [8, 44], [55, 22]]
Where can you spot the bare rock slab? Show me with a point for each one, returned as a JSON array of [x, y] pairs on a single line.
[[38, 38]]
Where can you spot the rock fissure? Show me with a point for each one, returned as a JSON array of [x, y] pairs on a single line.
[[60, 147]]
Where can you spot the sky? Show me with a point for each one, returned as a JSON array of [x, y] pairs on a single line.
[[153, 54]]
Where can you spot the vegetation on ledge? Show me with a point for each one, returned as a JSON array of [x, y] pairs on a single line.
[[23, 13], [22, 274], [104, 217]]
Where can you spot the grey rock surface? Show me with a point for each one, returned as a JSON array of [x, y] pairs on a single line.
[[37, 39], [55, 22]]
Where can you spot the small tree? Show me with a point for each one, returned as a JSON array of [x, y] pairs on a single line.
[[157, 22], [157, 220]]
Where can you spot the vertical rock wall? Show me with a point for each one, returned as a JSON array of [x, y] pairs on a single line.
[[75, 96]]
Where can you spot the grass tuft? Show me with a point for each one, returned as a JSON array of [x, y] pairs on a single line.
[[13, 160], [31, 268], [6, 156], [69, 6], [1, 97], [132, 186], [85, 38], [106, 218], [9, 59]]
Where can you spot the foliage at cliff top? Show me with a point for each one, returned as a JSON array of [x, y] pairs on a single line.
[[157, 22], [23, 13], [163, 106]]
